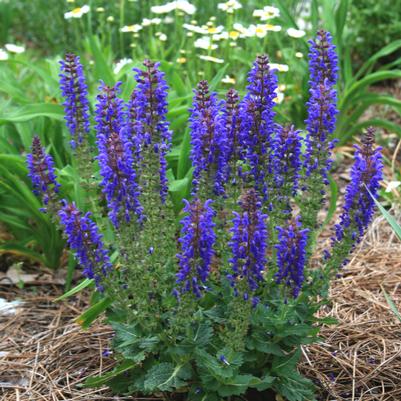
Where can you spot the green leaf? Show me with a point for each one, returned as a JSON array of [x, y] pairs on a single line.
[[97, 381], [166, 377], [281, 365], [390, 219], [385, 51], [102, 68], [391, 304], [218, 77], [203, 334], [363, 83], [236, 385], [30, 111], [184, 162], [340, 17], [83, 284], [21, 250], [91, 314], [374, 122]]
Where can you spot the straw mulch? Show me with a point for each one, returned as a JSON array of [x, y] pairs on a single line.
[[45, 356]]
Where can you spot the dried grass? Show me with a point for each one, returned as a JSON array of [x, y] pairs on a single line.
[[45, 356]]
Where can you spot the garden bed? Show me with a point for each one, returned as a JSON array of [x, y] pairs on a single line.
[[45, 355]]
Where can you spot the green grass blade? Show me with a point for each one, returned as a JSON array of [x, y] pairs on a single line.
[[391, 304], [390, 219]]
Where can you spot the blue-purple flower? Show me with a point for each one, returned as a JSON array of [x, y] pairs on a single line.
[[366, 174], [119, 178], [116, 159], [248, 244], [292, 255], [209, 146], [41, 172], [322, 110], [150, 105], [287, 160], [197, 240], [76, 105], [84, 239], [109, 110], [257, 122], [231, 124]]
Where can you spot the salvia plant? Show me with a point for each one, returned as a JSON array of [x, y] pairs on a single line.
[[219, 305]]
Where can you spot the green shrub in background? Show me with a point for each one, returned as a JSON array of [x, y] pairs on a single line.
[[374, 25]]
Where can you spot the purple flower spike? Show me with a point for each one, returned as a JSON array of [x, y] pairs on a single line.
[[109, 111], [149, 103], [41, 172], [366, 174], [119, 178], [76, 105], [231, 126], [116, 159], [287, 158], [257, 121], [248, 243], [291, 255], [84, 239], [322, 111], [197, 240], [209, 151]]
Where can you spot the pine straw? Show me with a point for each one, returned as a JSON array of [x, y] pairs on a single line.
[[45, 356]]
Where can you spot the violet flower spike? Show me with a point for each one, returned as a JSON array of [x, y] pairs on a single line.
[[197, 241], [151, 107], [322, 110], [231, 128], [209, 146], [287, 161], [248, 243], [41, 172], [116, 159], [257, 121], [366, 174], [76, 105], [291, 255], [109, 110], [84, 239]]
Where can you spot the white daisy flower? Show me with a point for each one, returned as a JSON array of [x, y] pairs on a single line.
[[120, 64], [212, 59], [77, 12], [228, 80], [131, 28], [279, 67], [14, 48], [295, 33], [3, 55], [229, 6], [267, 13], [196, 29], [180, 5], [205, 43]]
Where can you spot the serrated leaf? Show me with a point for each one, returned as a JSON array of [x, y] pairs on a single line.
[[281, 365], [202, 334], [235, 386], [166, 377]]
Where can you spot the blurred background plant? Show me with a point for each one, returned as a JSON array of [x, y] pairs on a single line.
[[215, 40]]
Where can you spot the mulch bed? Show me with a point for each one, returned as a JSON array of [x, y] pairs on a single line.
[[45, 355]]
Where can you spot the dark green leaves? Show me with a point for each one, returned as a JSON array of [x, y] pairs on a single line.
[[166, 377]]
